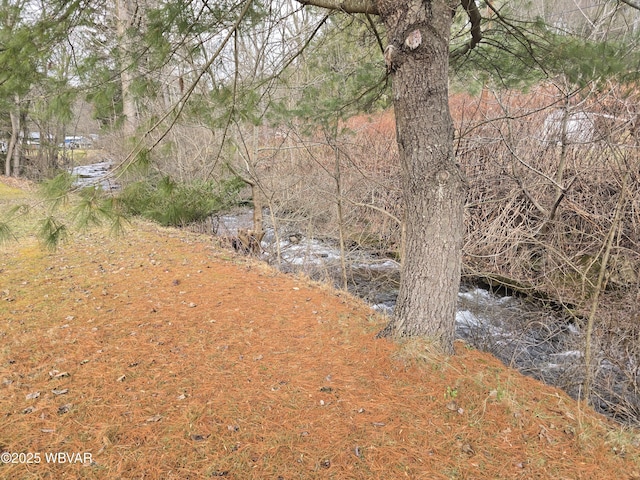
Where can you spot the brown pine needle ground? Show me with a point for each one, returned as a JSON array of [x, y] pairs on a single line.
[[165, 358]]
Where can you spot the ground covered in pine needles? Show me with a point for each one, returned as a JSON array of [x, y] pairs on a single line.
[[159, 356]]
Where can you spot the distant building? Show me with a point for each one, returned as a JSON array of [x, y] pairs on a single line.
[[33, 138]]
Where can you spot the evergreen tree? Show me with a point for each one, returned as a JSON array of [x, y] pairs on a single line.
[[29, 34]]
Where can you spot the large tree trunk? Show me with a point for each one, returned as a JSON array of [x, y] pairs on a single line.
[[417, 56], [433, 188]]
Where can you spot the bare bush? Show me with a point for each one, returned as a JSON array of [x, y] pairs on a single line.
[[538, 216], [540, 211]]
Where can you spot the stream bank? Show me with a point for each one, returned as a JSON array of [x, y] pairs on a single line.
[[537, 341], [524, 334]]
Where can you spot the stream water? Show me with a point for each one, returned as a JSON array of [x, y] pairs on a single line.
[[509, 327], [94, 174], [537, 342]]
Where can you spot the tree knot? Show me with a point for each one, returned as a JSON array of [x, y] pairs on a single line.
[[414, 39]]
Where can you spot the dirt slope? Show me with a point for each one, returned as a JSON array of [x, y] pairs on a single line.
[[158, 356]]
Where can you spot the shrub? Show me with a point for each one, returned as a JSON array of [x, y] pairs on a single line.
[[173, 203]]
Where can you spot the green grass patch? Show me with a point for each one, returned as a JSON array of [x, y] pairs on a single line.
[[10, 193]]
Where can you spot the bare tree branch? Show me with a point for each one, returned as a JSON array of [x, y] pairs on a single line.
[[475, 18], [375, 32], [533, 169], [347, 6], [632, 4], [376, 208]]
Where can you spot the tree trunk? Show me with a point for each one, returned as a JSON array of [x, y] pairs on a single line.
[[18, 149], [125, 20], [417, 56], [433, 187], [337, 176], [13, 141], [13, 150]]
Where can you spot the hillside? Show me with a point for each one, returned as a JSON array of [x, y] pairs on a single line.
[[157, 355]]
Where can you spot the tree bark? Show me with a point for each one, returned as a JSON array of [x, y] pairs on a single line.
[[417, 57], [14, 150], [433, 187], [126, 17], [13, 142]]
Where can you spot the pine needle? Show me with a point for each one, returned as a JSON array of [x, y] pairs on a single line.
[[52, 233], [5, 233], [56, 191]]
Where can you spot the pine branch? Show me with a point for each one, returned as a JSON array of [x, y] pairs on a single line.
[[347, 6], [52, 233], [5, 232], [177, 108]]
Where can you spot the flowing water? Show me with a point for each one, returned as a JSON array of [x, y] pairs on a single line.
[[537, 341], [523, 335], [506, 326], [94, 174]]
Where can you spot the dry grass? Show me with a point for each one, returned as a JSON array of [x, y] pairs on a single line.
[[180, 361], [13, 188]]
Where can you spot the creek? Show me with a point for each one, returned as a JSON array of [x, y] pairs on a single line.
[[94, 174], [539, 344], [524, 335], [536, 340]]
